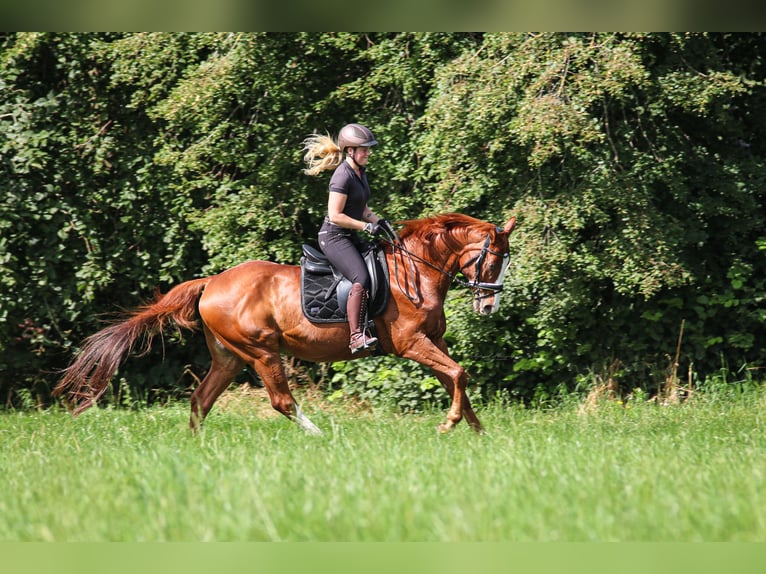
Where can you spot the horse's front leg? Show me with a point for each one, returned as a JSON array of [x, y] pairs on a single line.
[[459, 398], [451, 375], [470, 416], [468, 413]]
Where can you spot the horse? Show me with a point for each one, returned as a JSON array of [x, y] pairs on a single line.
[[251, 314]]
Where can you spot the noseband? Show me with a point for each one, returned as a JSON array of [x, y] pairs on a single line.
[[478, 261]]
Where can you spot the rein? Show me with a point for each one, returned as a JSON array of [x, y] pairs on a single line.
[[478, 260]]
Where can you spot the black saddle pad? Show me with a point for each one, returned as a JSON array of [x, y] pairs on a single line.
[[324, 291]]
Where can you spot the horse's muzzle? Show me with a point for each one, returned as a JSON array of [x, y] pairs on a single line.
[[486, 303]]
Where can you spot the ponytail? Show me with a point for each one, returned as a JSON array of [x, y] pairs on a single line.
[[322, 153]]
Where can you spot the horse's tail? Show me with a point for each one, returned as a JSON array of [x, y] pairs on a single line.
[[87, 378]]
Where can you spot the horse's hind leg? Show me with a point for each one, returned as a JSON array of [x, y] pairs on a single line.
[[224, 367], [268, 365]]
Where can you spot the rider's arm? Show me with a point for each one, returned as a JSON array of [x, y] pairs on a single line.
[[369, 216]]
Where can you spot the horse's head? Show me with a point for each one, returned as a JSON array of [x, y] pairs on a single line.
[[483, 262], [453, 242]]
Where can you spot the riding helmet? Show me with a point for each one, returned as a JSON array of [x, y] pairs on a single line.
[[355, 135]]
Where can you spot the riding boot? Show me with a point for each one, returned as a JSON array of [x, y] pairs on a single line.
[[356, 310]]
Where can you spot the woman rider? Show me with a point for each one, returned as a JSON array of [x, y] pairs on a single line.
[[347, 213]]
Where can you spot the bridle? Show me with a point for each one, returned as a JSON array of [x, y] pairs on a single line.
[[477, 261]]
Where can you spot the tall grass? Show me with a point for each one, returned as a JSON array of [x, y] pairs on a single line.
[[634, 472]]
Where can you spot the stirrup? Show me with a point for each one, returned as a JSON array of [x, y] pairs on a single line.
[[366, 344]]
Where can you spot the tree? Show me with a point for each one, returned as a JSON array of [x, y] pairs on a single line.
[[90, 222], [630, 160]]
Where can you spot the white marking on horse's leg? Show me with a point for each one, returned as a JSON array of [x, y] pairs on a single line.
[[303, 421]]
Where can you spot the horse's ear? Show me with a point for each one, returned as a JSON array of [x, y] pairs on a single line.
[[510, 225]]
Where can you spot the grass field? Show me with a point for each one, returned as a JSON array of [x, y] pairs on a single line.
[[634, 472]]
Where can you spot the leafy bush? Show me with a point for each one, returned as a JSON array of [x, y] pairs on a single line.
[[386, 382]]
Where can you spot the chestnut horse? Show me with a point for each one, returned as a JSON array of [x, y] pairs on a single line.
[[251, 313]]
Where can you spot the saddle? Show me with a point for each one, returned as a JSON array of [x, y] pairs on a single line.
[[324, 290]]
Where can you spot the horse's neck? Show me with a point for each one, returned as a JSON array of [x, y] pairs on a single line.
[[438, 265], [443, 258], [440, 258]]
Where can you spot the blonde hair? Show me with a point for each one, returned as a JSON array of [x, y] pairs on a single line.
[[321, 153]]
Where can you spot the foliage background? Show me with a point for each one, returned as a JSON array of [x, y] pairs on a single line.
[[634, 163]]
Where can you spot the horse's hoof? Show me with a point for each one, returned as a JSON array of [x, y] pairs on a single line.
[[444, 428]]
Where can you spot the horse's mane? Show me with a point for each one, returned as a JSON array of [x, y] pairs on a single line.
[[440, 231]]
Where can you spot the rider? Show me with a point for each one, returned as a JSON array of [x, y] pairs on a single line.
[[347, 213]]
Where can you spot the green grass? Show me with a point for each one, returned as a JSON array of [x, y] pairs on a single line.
[[694, 472]]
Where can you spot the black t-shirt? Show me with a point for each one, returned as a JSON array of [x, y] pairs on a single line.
[[357, 191]]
